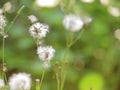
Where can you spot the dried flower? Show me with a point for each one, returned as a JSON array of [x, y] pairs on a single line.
[[38, 30], [73, 22], [2, 83], [32, 18], [20, 81], [46, 53]]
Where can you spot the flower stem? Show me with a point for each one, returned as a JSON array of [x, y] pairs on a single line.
[[18, 13], [63, 81], [3, 61], [58, 81], [74, 41], [37, 86], [43, 74]]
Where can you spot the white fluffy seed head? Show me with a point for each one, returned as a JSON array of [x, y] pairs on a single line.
[[73, 22], [2, 22], [32, 18], [2, 83], [20, 81], [114, 11], [38, 30], [45, 53]]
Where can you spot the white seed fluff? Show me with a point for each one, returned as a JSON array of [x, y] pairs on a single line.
[[38, 30], [73, 22], [20, 81], [45, 53], [2, 22], [32, 18], [2, 83], [114, 11]]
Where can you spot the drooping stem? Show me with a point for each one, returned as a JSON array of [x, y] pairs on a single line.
[[18, 13], [43, 74]]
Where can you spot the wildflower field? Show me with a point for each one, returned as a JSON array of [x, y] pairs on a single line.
[[59, 44]]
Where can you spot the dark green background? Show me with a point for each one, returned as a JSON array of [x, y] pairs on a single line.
[[96, 51]]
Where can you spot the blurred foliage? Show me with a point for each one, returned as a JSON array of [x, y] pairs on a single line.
[[96, 51]]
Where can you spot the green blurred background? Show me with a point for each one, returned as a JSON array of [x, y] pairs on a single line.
[[94, 60]]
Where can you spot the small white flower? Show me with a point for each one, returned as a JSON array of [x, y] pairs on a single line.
[[32, 18], [2, 83], [73, 23], [46, 53], [20, 81], [38, 30]]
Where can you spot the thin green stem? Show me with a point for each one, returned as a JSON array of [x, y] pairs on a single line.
[[63, 81], [18, 13], [3, 59], [37, 86], [5, 78], [70, 39], [74, 41], [43, 74], [3, 47], [58, 82]]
